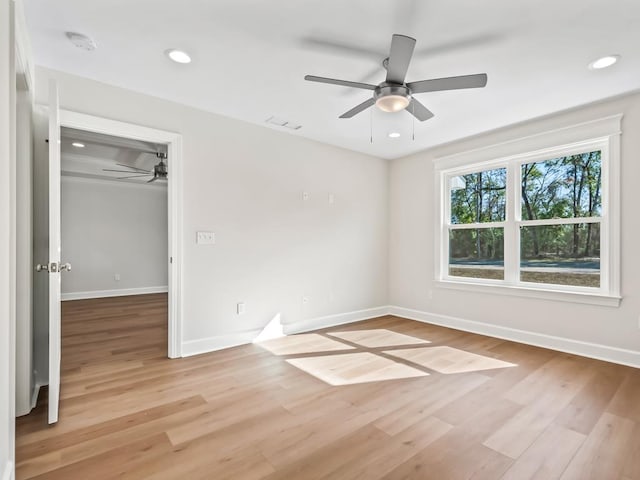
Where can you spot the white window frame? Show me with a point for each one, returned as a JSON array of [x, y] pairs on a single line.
[[604, 135]]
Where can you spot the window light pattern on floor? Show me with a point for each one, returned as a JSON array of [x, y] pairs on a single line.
[[449, 360], [361, 356], [303, 343], [352, 368], [379, 337]]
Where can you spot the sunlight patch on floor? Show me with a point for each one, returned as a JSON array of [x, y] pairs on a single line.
[[353, 368], [303, 343], [273, 329], [449, 360], [378, 337]]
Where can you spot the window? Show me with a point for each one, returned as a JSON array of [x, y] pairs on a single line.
[[535, 221]]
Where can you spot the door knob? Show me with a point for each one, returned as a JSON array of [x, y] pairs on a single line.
[[65, 267], [40, 267]]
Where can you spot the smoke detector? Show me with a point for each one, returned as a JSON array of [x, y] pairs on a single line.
[[82, 41]]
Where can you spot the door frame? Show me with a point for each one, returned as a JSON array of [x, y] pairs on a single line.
[[91, 123]]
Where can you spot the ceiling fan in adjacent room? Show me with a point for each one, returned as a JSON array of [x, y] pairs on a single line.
[[159, 171], [394, 95]]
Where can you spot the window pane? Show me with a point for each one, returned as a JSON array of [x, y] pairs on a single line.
[[566, 187], [477, 253], [561, 254], [479, 197]]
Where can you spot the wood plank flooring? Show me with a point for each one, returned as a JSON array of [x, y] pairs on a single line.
[[382, 399]]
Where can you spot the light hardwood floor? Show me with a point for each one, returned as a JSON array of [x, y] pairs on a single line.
[[383, 399]]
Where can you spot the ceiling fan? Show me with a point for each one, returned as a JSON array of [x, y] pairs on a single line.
[[394, 94], [159, 172]]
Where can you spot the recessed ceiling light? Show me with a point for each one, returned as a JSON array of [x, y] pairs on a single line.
[[394, 135], [178, 56], [604, 62], [78, 144]]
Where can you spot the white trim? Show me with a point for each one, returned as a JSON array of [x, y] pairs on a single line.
[[34, 396], [573, 135], [558, 221], [476, 226], [8, 471], [603, 135], [334, 320], [23, 51], [582, 295], [122, 292], [576, 347], [95, 124], [212, 344], [220, 342]]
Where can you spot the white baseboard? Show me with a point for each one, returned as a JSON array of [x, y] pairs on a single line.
[[334, 320], [577, 347], [113, 293], [8, 471], [220, 342], [211, 344], [34, 396]]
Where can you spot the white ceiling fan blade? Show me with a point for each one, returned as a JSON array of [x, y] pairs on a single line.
[[126, 171], [450, 83], [359, 108], [132, 176], [399, 58], [344, 83], [133, 168], [419, 111]]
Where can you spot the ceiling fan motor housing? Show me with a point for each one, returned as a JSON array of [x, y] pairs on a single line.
[[391, 97], [160, 170]]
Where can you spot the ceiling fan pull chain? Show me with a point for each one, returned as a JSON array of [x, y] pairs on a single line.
[[413, 120], [371, 126]]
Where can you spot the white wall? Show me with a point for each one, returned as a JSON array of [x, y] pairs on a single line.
[[112, 228], [245, 183], [7, 236], [412, 243]]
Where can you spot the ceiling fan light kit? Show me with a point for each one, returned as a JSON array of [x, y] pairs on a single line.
[[392, 98], [394, 94]]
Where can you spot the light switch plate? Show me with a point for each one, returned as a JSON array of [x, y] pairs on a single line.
[[205, 238]]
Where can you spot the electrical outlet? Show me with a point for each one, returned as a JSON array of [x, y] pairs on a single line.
[[116, 277], [205, 238], [305, 196], [305, 300], [240, 308]]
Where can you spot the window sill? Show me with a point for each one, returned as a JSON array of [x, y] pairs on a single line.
[[528, 292]]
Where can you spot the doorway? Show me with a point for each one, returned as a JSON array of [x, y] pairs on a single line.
[[163, 149], [172, 142]]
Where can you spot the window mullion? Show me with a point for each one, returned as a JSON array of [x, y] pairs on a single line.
[[511, 230]]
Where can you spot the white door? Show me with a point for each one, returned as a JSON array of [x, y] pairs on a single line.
[[47, 249], [54, 253]]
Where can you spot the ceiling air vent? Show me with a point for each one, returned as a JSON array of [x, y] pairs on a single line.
[[279, 122], [82, 41]]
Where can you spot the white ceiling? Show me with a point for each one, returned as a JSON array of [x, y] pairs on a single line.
[[250, 57], [102, 152]]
